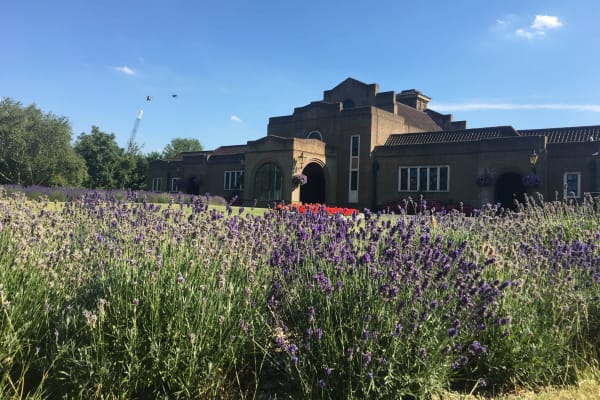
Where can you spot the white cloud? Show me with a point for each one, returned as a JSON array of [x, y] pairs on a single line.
[[235, 118], [538, 27], [511, 106], [527, 34], [543, 22], [125, 69]]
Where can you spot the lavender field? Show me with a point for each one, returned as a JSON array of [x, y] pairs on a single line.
[[108, 298]]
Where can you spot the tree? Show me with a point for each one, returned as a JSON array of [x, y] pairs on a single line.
[[178, 145], [103, 157], [35, 148]]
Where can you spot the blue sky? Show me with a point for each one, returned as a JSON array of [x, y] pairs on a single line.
[[233, 64]]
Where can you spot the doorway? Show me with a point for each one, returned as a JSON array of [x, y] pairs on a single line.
[[509, 187], [313, 191]]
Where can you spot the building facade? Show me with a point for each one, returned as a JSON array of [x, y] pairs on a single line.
[[362, 148]]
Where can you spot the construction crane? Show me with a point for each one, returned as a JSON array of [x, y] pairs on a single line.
[[136, 125]]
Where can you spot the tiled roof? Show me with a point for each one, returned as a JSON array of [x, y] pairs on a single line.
[[462, 135], [566, 135], [229, 150]]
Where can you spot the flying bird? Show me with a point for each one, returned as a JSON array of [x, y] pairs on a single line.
[[595, 154], [148, 98], [173, 95]]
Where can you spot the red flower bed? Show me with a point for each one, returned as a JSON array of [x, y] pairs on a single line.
[[316, 208]]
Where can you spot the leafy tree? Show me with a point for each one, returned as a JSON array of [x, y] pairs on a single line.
[[103, 157], [178, 145], [35, 148], [153, 155]]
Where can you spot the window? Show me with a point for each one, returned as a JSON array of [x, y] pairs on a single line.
[[315, 135], [355, 143], [233, 180], [423, 179], [354, 164], [572, 185], [174, 186], [156, 184]]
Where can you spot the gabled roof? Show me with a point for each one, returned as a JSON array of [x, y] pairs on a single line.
[[462, 135], [351, 82], [572, 134]]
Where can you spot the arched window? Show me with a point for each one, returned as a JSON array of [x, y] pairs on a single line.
[[315, 135], [268, 182]]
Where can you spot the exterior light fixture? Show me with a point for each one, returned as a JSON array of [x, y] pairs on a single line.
[[533, 157]]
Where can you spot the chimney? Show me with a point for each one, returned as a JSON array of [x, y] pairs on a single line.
[[413, 98]]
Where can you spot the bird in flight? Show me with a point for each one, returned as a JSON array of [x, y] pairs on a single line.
[[173, 95], [148, 98]]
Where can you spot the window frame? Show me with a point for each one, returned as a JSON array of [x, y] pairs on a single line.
[[233, 180], [410, 178], [353, 169], [156, 184], [174, 186], [566, 193], [315, 132]]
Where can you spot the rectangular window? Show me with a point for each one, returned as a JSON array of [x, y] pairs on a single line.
[[354, 168], [423, 174], [423, 179], [233, 180], [355, 143], [156, 184], [444, 179], [433, 178], [174, 186], [354, 180], [572, 185], [414, 180], [403, 179]]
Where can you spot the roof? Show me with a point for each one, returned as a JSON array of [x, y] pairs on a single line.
[[416, 118], [462, 135], [229, 150], [572, 134]]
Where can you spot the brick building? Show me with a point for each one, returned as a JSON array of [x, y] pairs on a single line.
[[360, 147]]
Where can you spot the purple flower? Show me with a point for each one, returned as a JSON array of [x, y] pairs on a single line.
[[367, 358], [180, 278], [321, 383], [452, 332], [369, 376], [319, 333], [311, 314], [477, 348]]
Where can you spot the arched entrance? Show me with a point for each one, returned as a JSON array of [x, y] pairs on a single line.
[[509, 187], [314, 189]]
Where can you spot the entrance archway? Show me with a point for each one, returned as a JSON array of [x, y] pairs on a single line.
[[509, 187], [314, 189]]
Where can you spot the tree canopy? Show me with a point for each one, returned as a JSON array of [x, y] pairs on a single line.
[[103, 158], [35, 148], [178, 145]]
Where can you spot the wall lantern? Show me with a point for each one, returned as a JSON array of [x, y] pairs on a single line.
[[533, 158]]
